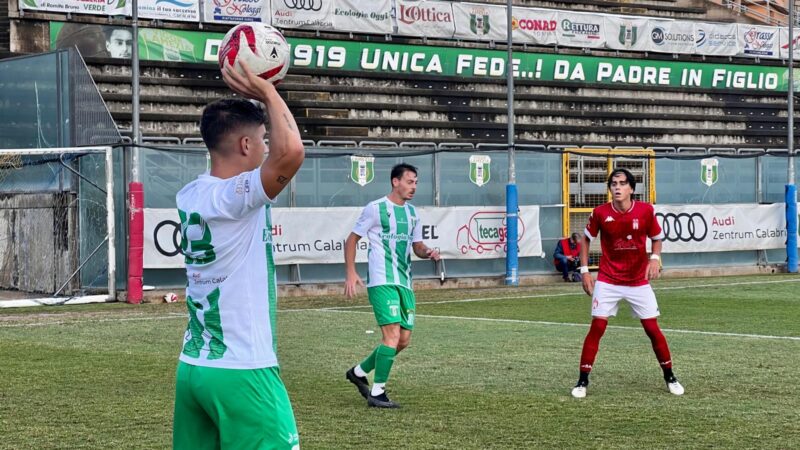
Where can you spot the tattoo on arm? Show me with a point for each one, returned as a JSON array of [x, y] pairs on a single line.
[[282, 179], [289, 122]]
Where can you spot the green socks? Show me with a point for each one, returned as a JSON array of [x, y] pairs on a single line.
[[384, 358], [368, 365]]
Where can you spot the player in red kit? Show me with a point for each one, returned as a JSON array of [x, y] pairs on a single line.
[[625, 271]]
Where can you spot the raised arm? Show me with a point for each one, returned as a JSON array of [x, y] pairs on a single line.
[[286, 152]]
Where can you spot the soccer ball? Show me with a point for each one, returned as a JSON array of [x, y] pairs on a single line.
[[170, 297], [261, 47]]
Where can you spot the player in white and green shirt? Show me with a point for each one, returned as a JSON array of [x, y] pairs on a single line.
[[228, 392], [393, 229]]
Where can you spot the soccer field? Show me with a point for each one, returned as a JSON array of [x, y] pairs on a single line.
[[487, 368]]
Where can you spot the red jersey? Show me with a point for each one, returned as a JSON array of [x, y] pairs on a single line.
[[624, 241]]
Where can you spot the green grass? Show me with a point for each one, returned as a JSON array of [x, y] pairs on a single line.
[[479, 374]]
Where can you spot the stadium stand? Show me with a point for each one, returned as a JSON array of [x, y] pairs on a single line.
[[334, 105], [361, 108]]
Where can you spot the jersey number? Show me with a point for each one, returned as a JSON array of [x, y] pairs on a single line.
[[199, 251]]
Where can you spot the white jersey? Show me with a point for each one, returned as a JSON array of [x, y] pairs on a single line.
[[231, 292], [391, 230]]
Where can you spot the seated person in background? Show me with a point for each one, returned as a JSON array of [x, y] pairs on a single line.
[[566, 255]]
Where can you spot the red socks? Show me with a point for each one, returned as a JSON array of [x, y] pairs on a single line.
[[659, 342], [592, 343]]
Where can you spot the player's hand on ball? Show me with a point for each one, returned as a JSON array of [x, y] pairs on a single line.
[[588, 283], [248, 85], [653, 269]]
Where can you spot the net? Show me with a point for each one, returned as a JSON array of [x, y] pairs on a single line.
[[57, 221]]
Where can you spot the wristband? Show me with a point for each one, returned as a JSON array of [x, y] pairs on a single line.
[[584, 269], [654, 256]]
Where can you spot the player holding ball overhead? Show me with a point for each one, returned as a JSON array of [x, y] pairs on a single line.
[[624, 225], [229, 393]]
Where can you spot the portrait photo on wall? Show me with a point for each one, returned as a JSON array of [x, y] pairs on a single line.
[[95, 41]]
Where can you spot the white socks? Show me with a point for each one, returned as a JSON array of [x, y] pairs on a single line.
[[377, 389], [359, 371]]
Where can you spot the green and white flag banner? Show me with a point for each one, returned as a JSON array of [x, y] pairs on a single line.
[[627, 33], [709, 171], [362, 169], [480, 22], [317, 235]]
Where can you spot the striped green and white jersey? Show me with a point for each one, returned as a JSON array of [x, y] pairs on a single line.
[[231, 291], [391, 230]]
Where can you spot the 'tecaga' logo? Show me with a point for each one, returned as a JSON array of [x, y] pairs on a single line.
[[486, 231]]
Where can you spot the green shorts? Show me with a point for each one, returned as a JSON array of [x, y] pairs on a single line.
[[232, 409], [393, 304]]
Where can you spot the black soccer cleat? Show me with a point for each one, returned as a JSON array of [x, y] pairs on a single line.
[[361, 382], [381, 401]]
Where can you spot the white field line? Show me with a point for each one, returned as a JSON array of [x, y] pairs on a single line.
[[76, 322], [345, 309], [568, 324], [427, 316], [561, 294]]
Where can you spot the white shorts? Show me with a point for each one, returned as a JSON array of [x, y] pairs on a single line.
[[605, 301]]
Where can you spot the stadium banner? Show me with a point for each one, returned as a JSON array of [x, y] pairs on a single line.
[[98, 7], [374, 16], [375, 57], [671, 36], [627, 33], [784, 40], [480, 22], [174, 10], [716, 39], [721, 228], [758, 41], [580, 30], [534, 26], [317, 235], [424, 18], [304, 14], [236, 11]]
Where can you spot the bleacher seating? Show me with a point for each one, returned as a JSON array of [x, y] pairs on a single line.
[[362, 108]]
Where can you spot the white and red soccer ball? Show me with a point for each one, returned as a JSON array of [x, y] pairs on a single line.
[[170, 297], [261, 47]]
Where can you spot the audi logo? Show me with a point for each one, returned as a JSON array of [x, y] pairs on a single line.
[[172, 246], [305, 5], [683, 227]]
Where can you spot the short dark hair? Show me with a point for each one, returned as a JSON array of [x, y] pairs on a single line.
[[575, 236], [400, 169], [628, 177], [224, 116]]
